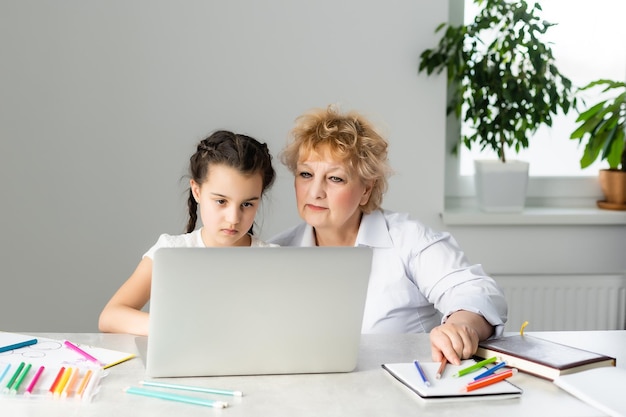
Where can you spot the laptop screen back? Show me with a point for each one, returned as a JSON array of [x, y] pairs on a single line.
[[245, 311]]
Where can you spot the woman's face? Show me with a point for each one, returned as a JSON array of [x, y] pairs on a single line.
[[228, 202], [329, 196]]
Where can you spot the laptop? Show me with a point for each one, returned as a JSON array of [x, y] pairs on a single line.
[[256, 311]]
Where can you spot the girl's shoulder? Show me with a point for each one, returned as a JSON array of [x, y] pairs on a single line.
[[256, 242], [186, 240]]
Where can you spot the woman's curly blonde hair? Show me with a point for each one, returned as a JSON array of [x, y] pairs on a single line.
[[349, 138]]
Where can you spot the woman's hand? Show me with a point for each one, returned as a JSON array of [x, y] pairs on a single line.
[[458, 337]]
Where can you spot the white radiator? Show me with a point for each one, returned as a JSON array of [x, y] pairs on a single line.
[[565, 302]]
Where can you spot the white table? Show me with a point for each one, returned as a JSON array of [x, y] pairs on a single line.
[[368, 391]]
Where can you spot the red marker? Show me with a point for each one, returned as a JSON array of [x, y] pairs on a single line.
[[489, 380]]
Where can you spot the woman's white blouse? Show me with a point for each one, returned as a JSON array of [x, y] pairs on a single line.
[[419, 276]]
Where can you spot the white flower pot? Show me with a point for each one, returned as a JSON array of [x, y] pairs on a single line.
[[501, 187]]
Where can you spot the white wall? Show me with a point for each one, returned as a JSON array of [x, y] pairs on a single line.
[[101, 104]]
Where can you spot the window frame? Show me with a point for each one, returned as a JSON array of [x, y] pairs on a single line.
[[570, 191]]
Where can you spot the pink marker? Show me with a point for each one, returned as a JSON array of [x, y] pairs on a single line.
[[81, 352], [31, 386]]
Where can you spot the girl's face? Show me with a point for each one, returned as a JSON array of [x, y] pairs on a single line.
[[329, 196], [228, 202]]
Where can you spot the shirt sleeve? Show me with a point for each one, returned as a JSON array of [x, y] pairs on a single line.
[[162, 242], [445, 276]]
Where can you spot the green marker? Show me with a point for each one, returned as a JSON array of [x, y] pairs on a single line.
[[16, 387], [475, 367], [15, 375]]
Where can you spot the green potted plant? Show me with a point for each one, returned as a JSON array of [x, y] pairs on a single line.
[[603, 126], [504, 84]]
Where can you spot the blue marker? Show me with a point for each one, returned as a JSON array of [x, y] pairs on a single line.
[[422, 374], [491, 370], [4, 373]]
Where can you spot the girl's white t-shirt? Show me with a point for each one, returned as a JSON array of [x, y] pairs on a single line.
[[192, 240]]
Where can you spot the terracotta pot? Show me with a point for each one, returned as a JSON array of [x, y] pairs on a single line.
[[613, 184]]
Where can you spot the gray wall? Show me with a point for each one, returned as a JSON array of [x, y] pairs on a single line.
[[101, 104]]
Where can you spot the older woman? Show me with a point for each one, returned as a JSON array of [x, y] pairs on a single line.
[[420, 280]]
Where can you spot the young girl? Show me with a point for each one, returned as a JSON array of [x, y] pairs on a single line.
[[229, 174]]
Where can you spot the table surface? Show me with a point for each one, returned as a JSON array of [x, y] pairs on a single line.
[[368, 391]]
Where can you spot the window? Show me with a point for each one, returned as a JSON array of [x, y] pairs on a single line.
[[588, 42]]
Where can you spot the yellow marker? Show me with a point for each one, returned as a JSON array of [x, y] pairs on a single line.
[[63, 382], [521, 330]]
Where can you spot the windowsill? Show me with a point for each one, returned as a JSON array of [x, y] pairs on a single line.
[[472, 216]]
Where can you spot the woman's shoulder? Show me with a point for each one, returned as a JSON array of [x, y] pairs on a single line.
[[402, 227], [297, 235]]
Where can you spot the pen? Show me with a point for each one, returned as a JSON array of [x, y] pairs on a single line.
[[442, 367], [19, 380], [490, 371], [33, 382], [191, 388], [175, 397], [81, 352], [422, 374], [489, 380], [474, 367]]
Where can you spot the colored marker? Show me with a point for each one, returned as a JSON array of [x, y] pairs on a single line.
[[56, 380], [18, 345], [475, 367], [4, 373], [83, 383], [63, 382], [89, 388], [422, 374], [490, 380], [442, 368], [14, 377], [81, 352], [490, 371], [175, 397], [19, 380], [191, 388], [69, 388], [33, 382]]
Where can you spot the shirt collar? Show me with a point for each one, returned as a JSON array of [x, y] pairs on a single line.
[[373, 231], [307, 237]]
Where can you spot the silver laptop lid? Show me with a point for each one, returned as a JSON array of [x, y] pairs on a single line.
[[245, 311]]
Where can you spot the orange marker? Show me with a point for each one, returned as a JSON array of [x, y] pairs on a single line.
[[489, 380], [83, 383], [62, 382], [57, 379], [69, 388]]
